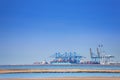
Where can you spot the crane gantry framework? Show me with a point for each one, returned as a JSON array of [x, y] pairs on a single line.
[[71, 57], [101, 57]]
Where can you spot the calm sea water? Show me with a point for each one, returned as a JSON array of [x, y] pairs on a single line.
[[52, 75], [48, 75], [113, 67]]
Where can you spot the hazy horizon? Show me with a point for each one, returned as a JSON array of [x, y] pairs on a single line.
[[32, 30]]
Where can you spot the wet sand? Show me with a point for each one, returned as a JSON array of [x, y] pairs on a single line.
[[56, 71], [78, 78]]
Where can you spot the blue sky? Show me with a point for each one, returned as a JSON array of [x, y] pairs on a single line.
[[32, 30]]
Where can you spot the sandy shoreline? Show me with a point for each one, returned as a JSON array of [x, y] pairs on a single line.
[[68, 78], [56, 71], [59, 71]]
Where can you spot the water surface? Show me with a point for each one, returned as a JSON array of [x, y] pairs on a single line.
[[112, 67], [55, 75]]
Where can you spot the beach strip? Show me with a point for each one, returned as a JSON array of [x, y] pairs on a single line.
[[68, 78], [56, 71]]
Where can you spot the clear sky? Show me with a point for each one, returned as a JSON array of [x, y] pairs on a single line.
[[32, 30]]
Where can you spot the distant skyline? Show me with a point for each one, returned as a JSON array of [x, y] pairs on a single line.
[[32, 30]]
